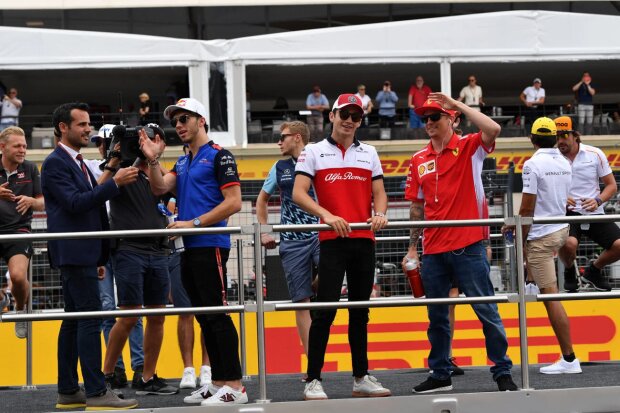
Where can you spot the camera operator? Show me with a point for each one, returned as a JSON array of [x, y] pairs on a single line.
[[99, 167], [140, 264]]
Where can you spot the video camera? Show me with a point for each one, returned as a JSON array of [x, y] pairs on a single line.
[[129, 139]]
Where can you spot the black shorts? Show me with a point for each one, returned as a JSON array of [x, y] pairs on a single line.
[[9, 249], [603, 233]]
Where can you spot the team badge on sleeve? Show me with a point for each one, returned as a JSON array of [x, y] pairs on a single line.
[[426, 168]]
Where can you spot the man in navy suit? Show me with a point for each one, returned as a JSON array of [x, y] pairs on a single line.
[[75, 203]]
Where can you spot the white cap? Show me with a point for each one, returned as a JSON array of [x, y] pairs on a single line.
[[188, 104], [104, 132]]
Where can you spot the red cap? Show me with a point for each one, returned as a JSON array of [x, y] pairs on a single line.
[[347, 99], [433, 106]]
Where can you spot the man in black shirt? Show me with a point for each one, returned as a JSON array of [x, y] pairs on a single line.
[[20, 194], [140, 268]]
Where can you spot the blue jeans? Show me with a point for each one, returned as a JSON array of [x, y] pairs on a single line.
[[415, 121], [470, 269], [80, 339], [136, 336]]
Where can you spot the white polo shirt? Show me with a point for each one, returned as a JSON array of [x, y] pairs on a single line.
[[547, 174], [589, 166], [532, 94], [471, 96]]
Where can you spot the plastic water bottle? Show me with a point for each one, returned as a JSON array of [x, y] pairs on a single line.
[[412, 269], [509, 239], [178, 244]]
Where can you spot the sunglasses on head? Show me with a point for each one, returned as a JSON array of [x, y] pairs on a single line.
[[355, 116], [183, 119], [434, 117]]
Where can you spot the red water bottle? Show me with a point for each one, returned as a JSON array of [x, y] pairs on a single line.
[[412, 269]]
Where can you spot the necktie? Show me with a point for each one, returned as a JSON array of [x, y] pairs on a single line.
[[83, 166]]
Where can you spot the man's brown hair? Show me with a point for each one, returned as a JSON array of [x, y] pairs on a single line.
[[296, 127]]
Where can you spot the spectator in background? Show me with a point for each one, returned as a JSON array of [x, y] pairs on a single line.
[[145, 108], [418, 93], [317, 103], [471, 95], [386, 99], [366, 103], [533, 97], [106, 286], [584, 92], [299, 250], [11, 106], [20, 195], [590, 169], [75, 202]]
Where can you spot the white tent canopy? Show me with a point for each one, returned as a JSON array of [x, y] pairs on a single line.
[[516, 36]]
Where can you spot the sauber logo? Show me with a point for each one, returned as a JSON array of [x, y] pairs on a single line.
[[347, 176]]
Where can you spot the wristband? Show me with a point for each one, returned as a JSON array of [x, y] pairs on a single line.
[[109, 168], [153, 163], [598, 200], [380, 214]]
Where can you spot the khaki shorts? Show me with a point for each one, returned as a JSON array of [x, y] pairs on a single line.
[[540, 253]]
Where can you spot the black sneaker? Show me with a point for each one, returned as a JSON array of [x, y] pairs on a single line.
[[120, 378], [109, 384], [505, 383], [456, 370], [432, 385], [137, 377], [155, 385], [593, 276], [570, 280]]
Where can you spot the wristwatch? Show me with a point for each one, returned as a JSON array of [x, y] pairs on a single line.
[[380, 214], [196, 222]]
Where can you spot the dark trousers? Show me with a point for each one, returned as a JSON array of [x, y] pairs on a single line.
[[80, 339], [203, 272], [356, 258]]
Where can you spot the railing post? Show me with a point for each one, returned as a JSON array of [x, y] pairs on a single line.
[[512, 267], [29, 385], [241, 292], [260, 316], [525, 373]]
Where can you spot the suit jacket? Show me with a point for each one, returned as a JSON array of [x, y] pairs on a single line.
[[72, 205]]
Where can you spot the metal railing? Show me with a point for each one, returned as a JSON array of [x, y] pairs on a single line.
[[261, 306]]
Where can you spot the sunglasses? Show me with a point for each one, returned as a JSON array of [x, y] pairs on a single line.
[[183, 119], [434, 117], [285, 135], [355, 116]]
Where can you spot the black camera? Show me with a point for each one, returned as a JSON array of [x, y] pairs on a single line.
[[129, 138]]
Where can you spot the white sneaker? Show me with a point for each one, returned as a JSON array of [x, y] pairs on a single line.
[[369, 387], [314, 391], [205, 375], [188, 381], [227, 395], [531, 289], [562, 367], [202, 394]]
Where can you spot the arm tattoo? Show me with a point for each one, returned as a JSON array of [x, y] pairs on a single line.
[[416, 213]]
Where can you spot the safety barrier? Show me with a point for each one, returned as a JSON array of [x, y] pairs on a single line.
[[261, 306]]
